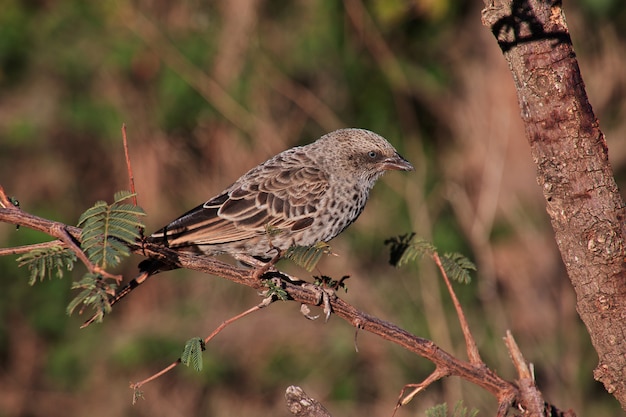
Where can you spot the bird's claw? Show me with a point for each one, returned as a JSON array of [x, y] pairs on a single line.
[[306, 312], [323, 298]]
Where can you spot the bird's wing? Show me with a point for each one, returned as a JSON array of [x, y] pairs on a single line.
[[271, 196]]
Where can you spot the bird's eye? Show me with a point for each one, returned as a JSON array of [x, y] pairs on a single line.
[[372, 154]]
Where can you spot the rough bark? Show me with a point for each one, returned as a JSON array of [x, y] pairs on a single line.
[[573, 170], [301, 405]]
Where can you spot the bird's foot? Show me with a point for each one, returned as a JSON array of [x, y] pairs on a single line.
[[260, 267], [324, 295]]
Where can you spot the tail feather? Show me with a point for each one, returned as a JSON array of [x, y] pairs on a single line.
[[147, 268]]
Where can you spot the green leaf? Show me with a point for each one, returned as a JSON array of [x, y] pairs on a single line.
[[461, 411], [274, 290], [43, 263], [192, 353], [329, 282], [95, 294], [122, 195], [307, 256], [108, 230], [405, 249], [458, 267], [439, 410]]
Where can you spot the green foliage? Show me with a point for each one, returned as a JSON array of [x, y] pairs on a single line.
[[43, 263], [95, 292], [137, 395], [274, 290], [107, 230], [405, 249], [458, 267], [307, 256], [329, 282], [441, 410], [192, 353]]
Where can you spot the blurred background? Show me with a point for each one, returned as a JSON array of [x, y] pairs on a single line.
[[209, 89]]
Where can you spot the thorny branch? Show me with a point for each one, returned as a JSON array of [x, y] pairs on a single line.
[[506, 393]]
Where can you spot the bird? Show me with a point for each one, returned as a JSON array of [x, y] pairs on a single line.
[[302, 196]]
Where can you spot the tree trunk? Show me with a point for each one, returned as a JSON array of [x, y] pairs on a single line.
[[573, 170]]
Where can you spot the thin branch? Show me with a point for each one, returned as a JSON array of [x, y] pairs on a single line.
[[18, 250], [532, 398], [475, 372], [137, 385], [472, 350], [5, 202], [69, 241], [523, 370], [438, 373], [131, 177]]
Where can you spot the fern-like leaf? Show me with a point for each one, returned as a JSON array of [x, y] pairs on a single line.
[[43, 263], [94, 293], [274, 290], [458, 267], [405, 249], [107, 230], [461, 411], [439, 410], [192, 353], [329, 282], [307, 256]]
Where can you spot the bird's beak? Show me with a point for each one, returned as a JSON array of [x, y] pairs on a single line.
[[397, 163]]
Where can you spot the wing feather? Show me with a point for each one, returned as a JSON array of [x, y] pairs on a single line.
[[283, 193]]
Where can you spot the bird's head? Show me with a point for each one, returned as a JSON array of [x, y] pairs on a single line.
[[363, 153]]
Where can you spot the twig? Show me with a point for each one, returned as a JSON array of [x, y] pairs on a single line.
[[69, 241], [4, 199], [516, 356], [66, 234], [131, 177], [531, 396], [137, 385], [438, 373], [472, 351], [17, 250]]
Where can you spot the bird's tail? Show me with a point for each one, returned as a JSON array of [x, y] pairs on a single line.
[[147, 268]]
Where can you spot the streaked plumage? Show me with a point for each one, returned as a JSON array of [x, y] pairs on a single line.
[[301, 196]]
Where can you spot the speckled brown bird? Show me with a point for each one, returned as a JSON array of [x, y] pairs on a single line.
[[302, 196]]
